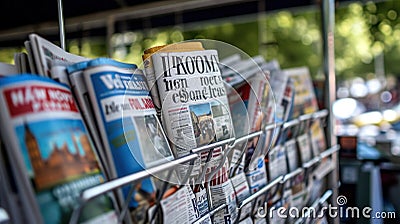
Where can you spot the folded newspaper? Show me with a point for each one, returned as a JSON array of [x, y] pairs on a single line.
[[194, 104], [50, 152], [43, 53], [127, 123]]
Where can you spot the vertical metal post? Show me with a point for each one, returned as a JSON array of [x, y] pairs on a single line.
[[328, 23], [61, 24]]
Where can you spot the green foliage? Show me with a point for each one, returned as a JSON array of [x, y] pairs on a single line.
[[293, 37]]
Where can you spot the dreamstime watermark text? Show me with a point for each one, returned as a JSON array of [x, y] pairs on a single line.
[[331, 211]]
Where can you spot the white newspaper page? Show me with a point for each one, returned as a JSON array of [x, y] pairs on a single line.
[[292, 155], [45, 52], [224, 194], [304, 144], [242, 191], [195, 108], [181, 207], [256, 175]]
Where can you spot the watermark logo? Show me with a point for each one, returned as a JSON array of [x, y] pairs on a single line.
[[343, 211], [341, 200]]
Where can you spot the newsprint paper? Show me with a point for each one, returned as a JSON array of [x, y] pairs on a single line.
[[195, 109]]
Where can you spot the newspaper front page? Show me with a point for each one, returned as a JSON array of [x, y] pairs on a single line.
[[195, 108], [181, 207], [49, 144], [129, 128]]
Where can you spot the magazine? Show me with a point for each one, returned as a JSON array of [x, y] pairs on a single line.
[[10, 200], [292, 154], [304, 146], [50, 149], [128, 126], [256, 174], [305, 102], [17, 62], [246, 103], [277, 162], [58, 71], [81, 95], [281, 85], [44, 53], [31, 60], [240, 72], [242, 192]]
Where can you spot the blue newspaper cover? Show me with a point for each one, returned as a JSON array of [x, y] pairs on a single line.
[[129, 127]]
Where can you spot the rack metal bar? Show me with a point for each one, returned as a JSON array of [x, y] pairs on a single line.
[[311, 163], [61, 28], [325, 197], [217, 209], [272, 126], [305, 117], [329, 151], [111, 185], [221, 163], [328, 168], [291, 175], [246, 137], [261, 191], [208, 147], [290, 124], [125, 206], [320, 114], [318, 202], [323, 155]]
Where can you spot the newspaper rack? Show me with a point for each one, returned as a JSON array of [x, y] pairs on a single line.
[[281, 180], [315, 206], [277, 183]]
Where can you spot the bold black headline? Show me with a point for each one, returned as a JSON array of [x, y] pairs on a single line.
[[211, 86]]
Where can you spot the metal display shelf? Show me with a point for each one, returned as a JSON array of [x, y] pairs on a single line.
[[293, 124], [296, 125], [281, 180]]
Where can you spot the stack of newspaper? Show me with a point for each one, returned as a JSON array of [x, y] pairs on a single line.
[[47, 158], [80, 122], [119, 134], [186, 82]]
